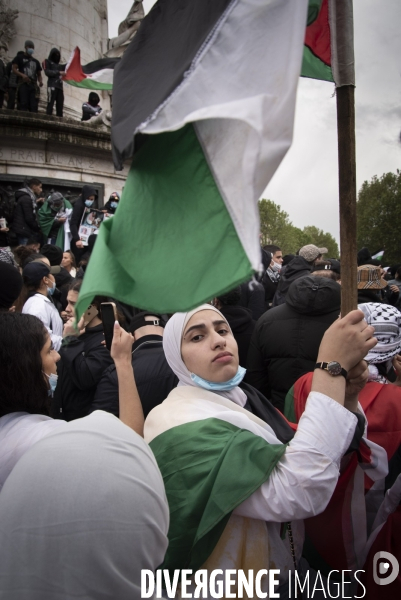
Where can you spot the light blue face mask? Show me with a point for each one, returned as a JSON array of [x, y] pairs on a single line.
[[53, 378], [89, 203], [113, 204], [50, 291], [224, 386], [30, 51]]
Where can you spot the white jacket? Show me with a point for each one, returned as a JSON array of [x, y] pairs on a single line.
[[40, 306]]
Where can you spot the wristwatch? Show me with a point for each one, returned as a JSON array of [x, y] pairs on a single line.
[[333, 368]]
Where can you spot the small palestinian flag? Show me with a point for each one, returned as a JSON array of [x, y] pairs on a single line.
[[204, 101], [329, 42], [97, 75], [378, 255]]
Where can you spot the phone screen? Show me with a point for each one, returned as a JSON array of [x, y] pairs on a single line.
[[109, 316]]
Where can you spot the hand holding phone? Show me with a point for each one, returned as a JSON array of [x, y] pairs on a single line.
[[109, 317]]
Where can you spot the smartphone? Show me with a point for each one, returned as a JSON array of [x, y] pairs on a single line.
[[109, 317], [90, 313]]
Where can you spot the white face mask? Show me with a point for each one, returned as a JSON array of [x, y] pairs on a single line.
[[276, 267]]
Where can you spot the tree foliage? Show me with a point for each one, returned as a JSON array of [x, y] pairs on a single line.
[[276, 228], [379, 216]]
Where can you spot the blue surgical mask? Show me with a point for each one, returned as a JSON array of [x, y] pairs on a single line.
[[30, 51], [89, 203], [53, 378], [50, 291], [224, 386], [113, 204]]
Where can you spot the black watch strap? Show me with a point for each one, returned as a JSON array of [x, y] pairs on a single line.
[[333, 368]]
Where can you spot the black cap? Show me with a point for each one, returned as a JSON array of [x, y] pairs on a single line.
[[140, 321], [11, 285], [34, 272]]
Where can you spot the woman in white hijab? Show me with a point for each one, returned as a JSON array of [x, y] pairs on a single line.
[[238, 481]]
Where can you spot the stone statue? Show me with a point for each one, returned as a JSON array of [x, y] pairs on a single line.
[[126, 30], [7, 28]]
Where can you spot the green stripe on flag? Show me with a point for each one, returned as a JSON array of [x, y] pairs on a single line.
[[209, 467], [171, 244], [313, 67], [89, 84]]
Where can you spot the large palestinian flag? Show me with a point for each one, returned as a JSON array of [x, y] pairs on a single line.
[[213, 455], [329, 42], [203, 101], [97, 75]]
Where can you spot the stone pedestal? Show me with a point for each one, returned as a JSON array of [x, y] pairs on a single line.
[[63, 153]]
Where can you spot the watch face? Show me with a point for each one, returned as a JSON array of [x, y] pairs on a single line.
[[334, 368]]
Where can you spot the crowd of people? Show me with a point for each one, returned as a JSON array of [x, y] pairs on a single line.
[[21, 80], [258, 431]]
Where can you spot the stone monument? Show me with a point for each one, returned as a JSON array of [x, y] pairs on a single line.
[[126, 30], [64, 153]]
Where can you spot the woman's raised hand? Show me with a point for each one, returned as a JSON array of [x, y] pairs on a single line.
[[347, 341]]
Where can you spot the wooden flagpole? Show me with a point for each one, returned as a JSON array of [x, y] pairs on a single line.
[[345, 92], [347, 196]]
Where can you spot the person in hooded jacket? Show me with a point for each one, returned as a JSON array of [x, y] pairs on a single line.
[[112, 203], [85, 200], [54, 72], [25, 221], [298, 267], [239, 318], [91, 108], [285, 343]]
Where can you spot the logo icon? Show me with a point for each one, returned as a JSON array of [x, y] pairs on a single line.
[[383, 568]]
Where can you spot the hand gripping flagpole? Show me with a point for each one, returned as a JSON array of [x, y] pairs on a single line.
[[344, 76]]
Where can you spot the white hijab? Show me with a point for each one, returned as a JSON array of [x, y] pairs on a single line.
[[172, 339], [82, 513]]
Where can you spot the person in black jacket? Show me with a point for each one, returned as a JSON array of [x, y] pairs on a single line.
[[112, 203], [154, 378], [54, 71], [25, 222], [300, 266], [86, 199], [286, 339], [91, 108], [29, 73], [239, 319], [83, 360], [271, 276], [63, 279]]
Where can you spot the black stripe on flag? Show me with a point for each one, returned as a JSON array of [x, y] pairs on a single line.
[[154, 64], [101, 63]]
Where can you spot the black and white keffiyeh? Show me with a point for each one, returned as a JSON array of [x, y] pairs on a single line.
[[386, 320]]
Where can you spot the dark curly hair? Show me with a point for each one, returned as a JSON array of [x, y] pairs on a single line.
[[22, 384]]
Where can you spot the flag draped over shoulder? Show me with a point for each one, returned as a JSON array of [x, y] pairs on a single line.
[[222, 455], [329, 42], [96, 75], [204, 101], [46, 219]]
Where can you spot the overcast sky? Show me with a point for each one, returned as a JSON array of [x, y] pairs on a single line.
[[306, 184]]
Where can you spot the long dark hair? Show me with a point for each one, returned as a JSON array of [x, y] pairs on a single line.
[[22, 383]]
